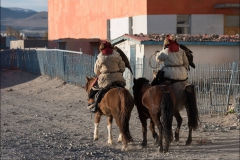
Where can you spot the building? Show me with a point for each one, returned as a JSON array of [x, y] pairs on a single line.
[[205, 48], [26, 44], [6, 40], [87, 46], [113, 18]]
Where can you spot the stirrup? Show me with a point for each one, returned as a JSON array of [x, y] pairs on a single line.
[[91, 105]]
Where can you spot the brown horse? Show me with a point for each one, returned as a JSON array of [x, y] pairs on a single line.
[[185, 97], [117, 103], [155, 102]]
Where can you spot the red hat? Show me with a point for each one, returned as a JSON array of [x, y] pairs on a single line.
[[106, 48], [173, 45]]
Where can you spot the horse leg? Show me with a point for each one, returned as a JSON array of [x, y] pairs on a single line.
[[144, 131], [109, 127], [152, 129], [160, 136], [179, 123], [120, 137], [96, 125], [189, 140]]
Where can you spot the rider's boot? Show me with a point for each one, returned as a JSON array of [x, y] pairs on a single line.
[[94, 105]]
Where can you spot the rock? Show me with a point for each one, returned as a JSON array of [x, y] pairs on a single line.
[[232, 127], [9, 90]]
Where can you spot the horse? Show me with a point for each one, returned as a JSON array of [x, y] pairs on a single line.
[[117, 103], [155, 102], [185, 98]]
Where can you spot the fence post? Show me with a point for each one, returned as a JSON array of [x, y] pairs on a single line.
[[234, 64]]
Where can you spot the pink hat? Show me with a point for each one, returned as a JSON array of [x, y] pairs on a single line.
[[106, 48], [173, 45]]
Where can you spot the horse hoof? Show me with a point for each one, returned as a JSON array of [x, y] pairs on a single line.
[[155, 135], [161, 149], [124, 149], [176, 139], [188, 143], [143, 144]]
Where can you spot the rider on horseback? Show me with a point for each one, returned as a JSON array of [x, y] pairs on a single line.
[[109, 68], [175, 62]]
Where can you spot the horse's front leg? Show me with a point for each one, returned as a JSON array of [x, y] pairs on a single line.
[[152, 129], [179, 123], [109, 127], [144, 131], [96, 124]]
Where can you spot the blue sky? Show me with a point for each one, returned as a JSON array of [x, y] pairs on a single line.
[[36, 5]]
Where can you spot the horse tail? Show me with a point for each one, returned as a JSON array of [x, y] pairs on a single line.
[[127, 104], [193, 117], [167, 105]]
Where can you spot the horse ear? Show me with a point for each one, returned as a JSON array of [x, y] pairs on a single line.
[[134, 80]]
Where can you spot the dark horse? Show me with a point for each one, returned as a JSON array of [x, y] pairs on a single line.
[[117, 103], [155, 102], [185, 97]]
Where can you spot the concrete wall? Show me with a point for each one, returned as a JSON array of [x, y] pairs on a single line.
[[205, 53], [88, 18], [138, 21], [17, 44], [119, 26], [35, 43], [215, 54], [162, 24], [207, 24], [190, 7], [28, 44]]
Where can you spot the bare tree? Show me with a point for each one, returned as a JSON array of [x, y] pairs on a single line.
[[10, 31], [45, 36]]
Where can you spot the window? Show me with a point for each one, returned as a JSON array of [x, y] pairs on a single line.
[[183, 24], [231, 25]]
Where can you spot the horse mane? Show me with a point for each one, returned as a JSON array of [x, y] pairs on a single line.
[[138, 85], [142, 80]]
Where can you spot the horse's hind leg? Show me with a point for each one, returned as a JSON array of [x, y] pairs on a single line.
[[109, 127], [144, 131], [189, 140], [179, 123], [96, 125], [160, 136], [152, 129]]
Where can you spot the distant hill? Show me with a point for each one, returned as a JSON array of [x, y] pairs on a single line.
[[22, 10], [11, 14], [23, 19]]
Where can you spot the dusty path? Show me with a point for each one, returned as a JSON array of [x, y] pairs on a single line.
[[43, 118]]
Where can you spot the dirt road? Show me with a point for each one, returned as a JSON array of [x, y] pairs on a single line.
[[44, 118]]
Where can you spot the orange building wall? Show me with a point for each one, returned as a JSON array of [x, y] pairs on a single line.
[[190, 7], [87, 18]]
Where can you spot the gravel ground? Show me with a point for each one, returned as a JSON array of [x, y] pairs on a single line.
[[44, 118]]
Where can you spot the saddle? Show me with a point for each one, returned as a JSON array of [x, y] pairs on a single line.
[[99, 94], [161, 80]]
